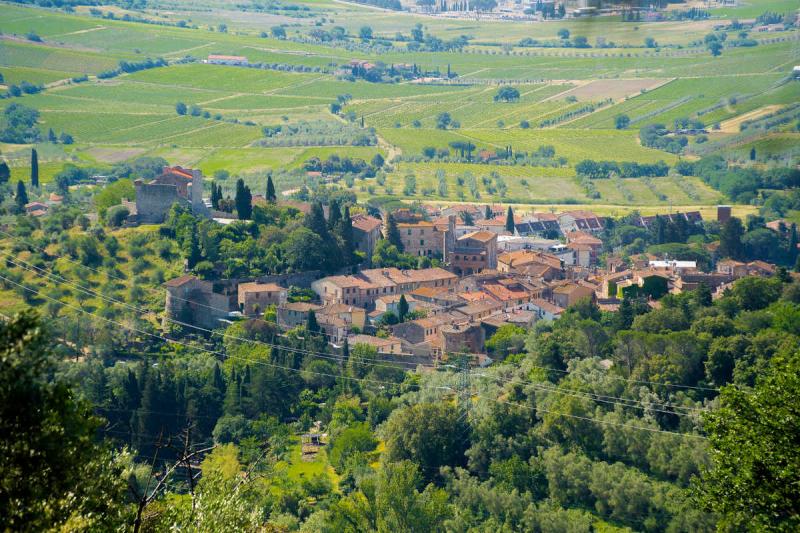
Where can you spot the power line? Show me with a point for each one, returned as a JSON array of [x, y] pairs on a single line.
[[312, 372], [590, 419], [592, 396], [50, 275], [297, 350]]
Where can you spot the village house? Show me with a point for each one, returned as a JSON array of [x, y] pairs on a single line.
[[473, 253], [567, 295], [389, 345], [461, 338], [36, 209], [514, 262], [421, 238], [254, 297], [293, 314], [364, 288], [580, 221], [545, 310], [192, 300], [366, 233]]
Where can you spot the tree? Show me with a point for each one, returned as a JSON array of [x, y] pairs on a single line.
[[730, 239], [243, 200], [510, 220], [5, 172], [416, 33], [365, 33], [55, 475], [755, 468], [402, 308], [484, 5], [278, 32], [622, 121], [378, 161], [563, 33], [443, 120], [649, 42], [393, 233], [506, 94], [34, 168], [431, 435], [312, 325], [180, 108], [487, 213], [753, 153], [715, 47], [21, 197], [271, 197]]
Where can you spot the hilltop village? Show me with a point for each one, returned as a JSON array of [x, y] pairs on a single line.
[[500, 269]]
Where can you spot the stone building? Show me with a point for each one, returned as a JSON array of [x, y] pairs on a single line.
[[195, 301], [178, 185], [468, 338], [472, 253], [366, 232], [254, 298], [421, 238]]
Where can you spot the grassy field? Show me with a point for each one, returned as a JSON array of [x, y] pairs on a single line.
[[134, 114]]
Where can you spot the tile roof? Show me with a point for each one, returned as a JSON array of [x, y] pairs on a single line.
[[254, 286], [482, 236], [177, 282], [365, 223]]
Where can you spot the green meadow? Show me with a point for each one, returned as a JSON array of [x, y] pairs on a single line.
[[569, 98]]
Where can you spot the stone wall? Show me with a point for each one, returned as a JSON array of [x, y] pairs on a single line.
[[153, 202]]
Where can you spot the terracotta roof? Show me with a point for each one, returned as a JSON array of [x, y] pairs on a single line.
[[254, 286], [365, 223], [474, 296], [301, 306], [482, 236], [547, 306], [378, 342], [177, 282], [503, 293], [428, 292]]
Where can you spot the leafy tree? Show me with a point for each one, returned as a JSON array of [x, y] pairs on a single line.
[[180, 108], [443, 120], [243, 200], [365, 33], [506, 94], [55, 476], [34, 168], [278, 32], [621, 122], [354, 440], [378, 161], [730, 239], [563, 33], [755, 468], [431, 435]]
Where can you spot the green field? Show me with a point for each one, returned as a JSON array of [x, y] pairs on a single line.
[[134, 114]]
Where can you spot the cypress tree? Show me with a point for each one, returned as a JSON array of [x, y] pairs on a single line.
[[334, 215], [271, 197], [34, 168], [22, 196], [625, 314], [703, 295], [315, 221], [193, 255], [793, 254], [345, 231], [402, 308], [393, 233], [5, 172], [487, 213], [231, 406], [243, 200], [510, 220], [311, 323], [753, 153]]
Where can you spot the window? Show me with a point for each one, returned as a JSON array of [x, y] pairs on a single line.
[[409, 231], [421, 242]]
